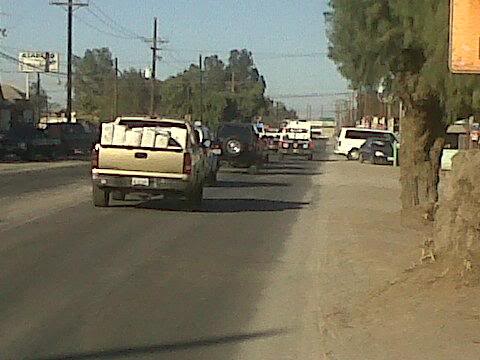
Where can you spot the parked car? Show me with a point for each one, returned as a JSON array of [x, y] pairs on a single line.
[[29, 143], [296, 139], [240, 145], [74, 139], [169, 161], [212, 162], [377, 151], [350, 140]]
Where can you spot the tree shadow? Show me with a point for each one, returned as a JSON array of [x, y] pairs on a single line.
[[279, 166], [168, 347], [219, 206], [248, 184], [289, 172], [328, 160]]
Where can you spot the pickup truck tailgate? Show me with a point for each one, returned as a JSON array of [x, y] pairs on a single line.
[[141, 160]]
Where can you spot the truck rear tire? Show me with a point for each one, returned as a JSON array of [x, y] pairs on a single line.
[[101, 198]]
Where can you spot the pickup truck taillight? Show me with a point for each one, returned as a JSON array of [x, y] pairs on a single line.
[[187, 164], [94, 158]]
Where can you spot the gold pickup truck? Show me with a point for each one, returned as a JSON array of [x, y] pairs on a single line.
[[172, 163]]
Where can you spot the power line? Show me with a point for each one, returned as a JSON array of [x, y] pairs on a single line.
[[254, 53], [127, 32], [84, 22]]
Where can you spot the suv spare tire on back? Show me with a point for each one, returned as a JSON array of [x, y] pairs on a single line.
[[233, 147]]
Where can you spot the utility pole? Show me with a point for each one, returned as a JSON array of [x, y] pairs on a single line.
[[38, 102], [69, 61], [27, 86], [154, 68], [115, 91], [201, 88], [71, 4], [232, 88], [276, 113]]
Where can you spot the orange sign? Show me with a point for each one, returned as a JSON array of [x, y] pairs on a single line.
[[465, 36]]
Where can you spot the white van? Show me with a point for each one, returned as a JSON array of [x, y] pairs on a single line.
[[351, 139]]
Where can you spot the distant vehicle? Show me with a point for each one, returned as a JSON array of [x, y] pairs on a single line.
[[272, 141], [74, 139], [212, 160], [29, 143], [272, 138], [241, 146], [323, 128], [452, 145], [296, 139], [260, 129], [377, 151], [317, 132], [149, 156], [350, 140]]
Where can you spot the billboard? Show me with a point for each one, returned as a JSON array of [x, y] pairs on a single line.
[[465, 36], [38, 61]]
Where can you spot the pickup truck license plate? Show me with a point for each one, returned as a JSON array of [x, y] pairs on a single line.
[[140, 182], [295, 151]]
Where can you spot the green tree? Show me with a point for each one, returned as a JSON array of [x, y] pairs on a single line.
[[178, 95], [405, 45], [133, 93], [93, 83], [276, 112]]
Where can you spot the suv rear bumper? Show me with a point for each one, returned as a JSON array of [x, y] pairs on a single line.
[[151, 184]]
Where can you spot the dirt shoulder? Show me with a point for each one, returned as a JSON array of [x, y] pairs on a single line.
[[374, 299]]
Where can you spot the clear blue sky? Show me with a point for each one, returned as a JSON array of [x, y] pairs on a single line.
[[270, 29]]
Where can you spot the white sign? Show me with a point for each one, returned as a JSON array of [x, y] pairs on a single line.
[[36, 62]]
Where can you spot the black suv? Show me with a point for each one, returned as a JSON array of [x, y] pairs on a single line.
[[74, 139], [377, 151], [29, 143], [241, 146]]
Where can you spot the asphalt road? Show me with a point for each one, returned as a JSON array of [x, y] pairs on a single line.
[[148, 280], [12, 185]]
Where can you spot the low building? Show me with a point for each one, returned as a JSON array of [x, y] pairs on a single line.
[[14, 108]]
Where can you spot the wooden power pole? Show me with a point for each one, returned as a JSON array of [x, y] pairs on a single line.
[[154, 68], [201, 88], [115, 90], [70, 4]]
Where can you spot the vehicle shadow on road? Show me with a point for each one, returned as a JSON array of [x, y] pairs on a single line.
[[278, 166], [168, 347], [221, 206], [287, 171], [248, 184]]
